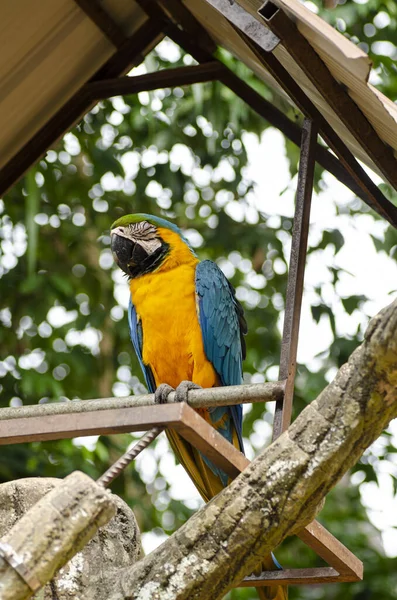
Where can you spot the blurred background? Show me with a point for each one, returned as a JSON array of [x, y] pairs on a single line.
[[200, 157]]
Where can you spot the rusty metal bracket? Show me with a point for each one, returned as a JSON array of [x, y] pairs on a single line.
[[237, 15]]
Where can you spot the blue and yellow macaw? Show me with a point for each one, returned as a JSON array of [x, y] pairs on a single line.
[[186, 325]]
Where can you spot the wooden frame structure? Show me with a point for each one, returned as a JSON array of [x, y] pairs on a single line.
[[261, 32]]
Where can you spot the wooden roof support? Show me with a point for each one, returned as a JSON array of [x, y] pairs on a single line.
[[268, 111], [94, 11], [187, 22], [152, 81], [372, 194], [337, 98], [175, 13], [130, 53], [190, 42], [209, 71]]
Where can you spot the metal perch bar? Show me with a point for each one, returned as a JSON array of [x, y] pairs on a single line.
[[222, 396]]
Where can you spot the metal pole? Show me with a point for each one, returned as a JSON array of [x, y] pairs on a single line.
[[220, 396], [289, 345]]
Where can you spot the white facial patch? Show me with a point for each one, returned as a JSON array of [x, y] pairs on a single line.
[[143, 233], [150, 246]]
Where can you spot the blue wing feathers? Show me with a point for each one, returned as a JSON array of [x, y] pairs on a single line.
[[223, 326], [223, 339], [137, 341]]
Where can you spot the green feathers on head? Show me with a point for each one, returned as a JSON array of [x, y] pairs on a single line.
[[138, 217]]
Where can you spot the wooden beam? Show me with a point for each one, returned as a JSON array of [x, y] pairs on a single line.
[[94, 11], [337, 97], [351, 177], [374, 197], [152, 81], [178, 15], [188, 22]]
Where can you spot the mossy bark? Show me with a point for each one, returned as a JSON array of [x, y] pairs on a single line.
[[47, 521]]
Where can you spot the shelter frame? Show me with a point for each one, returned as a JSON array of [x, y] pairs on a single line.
[[261, 35]]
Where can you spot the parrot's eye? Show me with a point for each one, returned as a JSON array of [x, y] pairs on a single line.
[[145, 234]]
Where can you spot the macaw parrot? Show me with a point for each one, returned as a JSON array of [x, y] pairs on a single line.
[[187, 329]]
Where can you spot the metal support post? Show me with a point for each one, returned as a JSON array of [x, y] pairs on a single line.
[[289, 345]]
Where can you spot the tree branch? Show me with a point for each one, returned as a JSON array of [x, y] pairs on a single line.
[[281, 490], [46, 537]]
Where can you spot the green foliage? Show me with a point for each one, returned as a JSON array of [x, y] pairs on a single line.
[[179, 154]]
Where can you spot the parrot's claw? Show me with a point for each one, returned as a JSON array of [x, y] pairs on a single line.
[[182, 391], [162, 392]]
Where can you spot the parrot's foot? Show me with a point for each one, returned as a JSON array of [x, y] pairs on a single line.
[[162, 392], [182, 391]]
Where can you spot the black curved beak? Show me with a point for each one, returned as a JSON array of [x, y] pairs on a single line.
[[127, 254], [122, 250]]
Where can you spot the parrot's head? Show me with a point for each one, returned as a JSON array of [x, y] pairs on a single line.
[[141, 243]]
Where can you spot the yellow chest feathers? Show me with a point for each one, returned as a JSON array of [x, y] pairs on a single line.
[[165, 302]]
